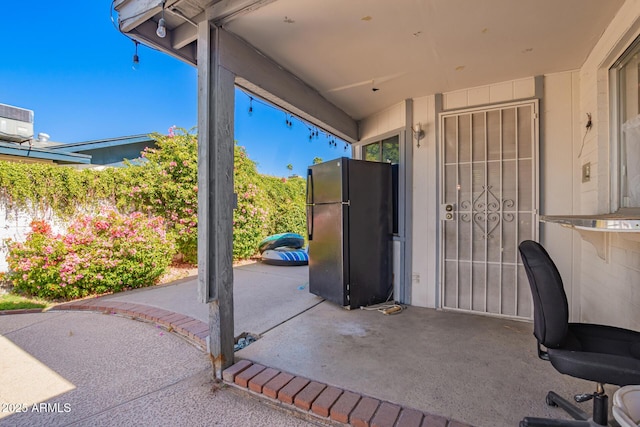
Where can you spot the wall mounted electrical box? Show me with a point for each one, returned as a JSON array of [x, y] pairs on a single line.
[[586, 172]]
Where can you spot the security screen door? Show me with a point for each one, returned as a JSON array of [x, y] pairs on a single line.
[[489, 205]]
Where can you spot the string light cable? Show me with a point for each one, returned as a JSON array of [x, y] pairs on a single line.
[[136, 58], [313, 131], [588, 127]]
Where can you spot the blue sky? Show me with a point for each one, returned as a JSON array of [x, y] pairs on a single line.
[[67, 63]]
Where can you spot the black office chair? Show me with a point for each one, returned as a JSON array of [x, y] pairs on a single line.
[[604, 354]]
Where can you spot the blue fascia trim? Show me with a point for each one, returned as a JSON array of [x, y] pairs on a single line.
[[45, 154], [101, 143]]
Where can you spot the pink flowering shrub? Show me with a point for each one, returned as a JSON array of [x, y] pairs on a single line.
[[250, 222], [109, 252], [168, 187]]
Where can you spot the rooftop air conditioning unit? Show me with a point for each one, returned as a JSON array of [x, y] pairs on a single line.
[[16, 124]]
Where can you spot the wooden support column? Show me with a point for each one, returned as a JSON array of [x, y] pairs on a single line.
[[215, 195]]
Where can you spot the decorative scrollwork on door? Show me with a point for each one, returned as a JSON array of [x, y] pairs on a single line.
[[486, 211]]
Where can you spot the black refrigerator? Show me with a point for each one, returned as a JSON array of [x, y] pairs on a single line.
[[349, 225]]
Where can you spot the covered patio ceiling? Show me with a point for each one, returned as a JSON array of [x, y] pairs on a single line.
[[366, 55]]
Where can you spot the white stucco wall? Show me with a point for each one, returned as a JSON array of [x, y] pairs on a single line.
[[489, 94], [560, 139], [14, 225], [610, 287], [602, 287], [382, 122], [559, 142]]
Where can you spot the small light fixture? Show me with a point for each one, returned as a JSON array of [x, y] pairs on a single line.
[[162, 26], [288, 123], [136, 59], [418, 133]]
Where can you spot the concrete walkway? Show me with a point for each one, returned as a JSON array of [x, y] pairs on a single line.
[[105, 370], [264, 297], [447, 366]]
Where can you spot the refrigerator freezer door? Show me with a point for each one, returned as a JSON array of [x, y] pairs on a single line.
[[328, 259], [327, 182]]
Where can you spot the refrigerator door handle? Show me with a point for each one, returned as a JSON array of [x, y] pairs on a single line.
[[309, 187], [309, 205], [310, 222]]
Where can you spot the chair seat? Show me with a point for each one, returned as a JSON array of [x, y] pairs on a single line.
[[603, 354], [599, 353]]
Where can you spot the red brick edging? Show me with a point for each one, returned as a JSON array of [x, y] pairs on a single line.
[[324, 401], [193, 329]]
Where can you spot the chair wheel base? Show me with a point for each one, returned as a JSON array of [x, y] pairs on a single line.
[[581, 418]]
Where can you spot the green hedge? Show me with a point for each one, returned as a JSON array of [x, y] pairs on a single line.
[[164, 185]]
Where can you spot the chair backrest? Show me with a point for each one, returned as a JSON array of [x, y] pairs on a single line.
[[550, 308]]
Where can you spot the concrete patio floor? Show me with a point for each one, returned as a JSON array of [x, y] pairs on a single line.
[[479, 370]]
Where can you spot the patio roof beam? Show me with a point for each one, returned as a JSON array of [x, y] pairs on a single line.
[[135, 13], [186, 33], [227, 10], [255, 71], [283, 88]]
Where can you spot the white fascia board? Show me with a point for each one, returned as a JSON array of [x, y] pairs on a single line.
[[132, 13]]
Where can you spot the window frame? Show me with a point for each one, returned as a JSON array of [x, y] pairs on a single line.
[[616, 100], [380, 142]]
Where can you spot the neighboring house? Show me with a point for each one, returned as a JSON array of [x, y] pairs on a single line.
[[14, 152], [110, 151], [502, 114], [17, 143]]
